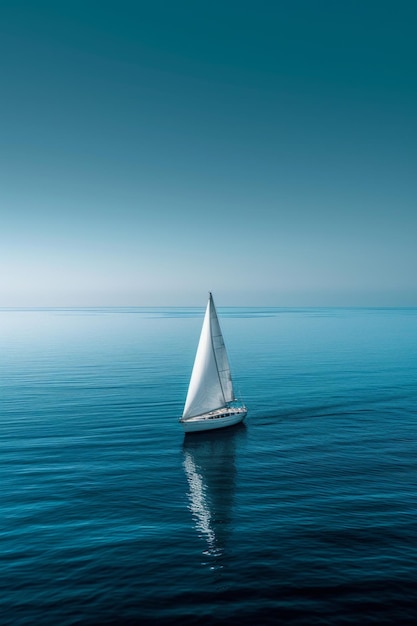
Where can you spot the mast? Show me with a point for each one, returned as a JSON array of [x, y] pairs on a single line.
[[220, 354]]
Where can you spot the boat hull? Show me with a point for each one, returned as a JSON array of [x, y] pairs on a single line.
[[212, 422]]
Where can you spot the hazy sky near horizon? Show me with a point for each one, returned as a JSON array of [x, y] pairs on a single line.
[[152, 151]]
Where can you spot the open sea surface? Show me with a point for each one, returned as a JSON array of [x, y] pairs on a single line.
[[307, 514]]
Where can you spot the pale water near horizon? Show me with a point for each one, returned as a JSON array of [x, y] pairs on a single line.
[[307, 514]]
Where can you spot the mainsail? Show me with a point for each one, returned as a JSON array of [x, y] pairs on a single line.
[[211, 383]]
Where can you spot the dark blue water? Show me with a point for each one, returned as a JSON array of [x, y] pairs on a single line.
[[305, 515]]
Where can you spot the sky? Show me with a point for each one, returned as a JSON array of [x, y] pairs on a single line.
[[153, 151]]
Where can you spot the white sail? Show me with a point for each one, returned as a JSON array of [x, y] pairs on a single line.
[[211, 383]]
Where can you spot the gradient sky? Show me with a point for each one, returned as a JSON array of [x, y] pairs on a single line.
[[152, 151]]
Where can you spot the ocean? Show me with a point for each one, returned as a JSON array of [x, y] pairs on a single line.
[[306, 514]]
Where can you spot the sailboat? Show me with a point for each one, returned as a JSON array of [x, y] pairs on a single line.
[[211, 401]]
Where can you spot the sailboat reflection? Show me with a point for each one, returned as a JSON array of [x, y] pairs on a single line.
[[209, 465]]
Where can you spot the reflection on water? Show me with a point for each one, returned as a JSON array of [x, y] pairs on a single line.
[[209, 465]]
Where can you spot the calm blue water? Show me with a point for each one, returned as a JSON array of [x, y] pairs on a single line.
[[305, 515]]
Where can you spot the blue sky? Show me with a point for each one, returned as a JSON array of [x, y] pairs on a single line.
[[152, 151]]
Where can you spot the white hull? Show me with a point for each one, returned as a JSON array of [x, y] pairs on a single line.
[[213, 420]]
